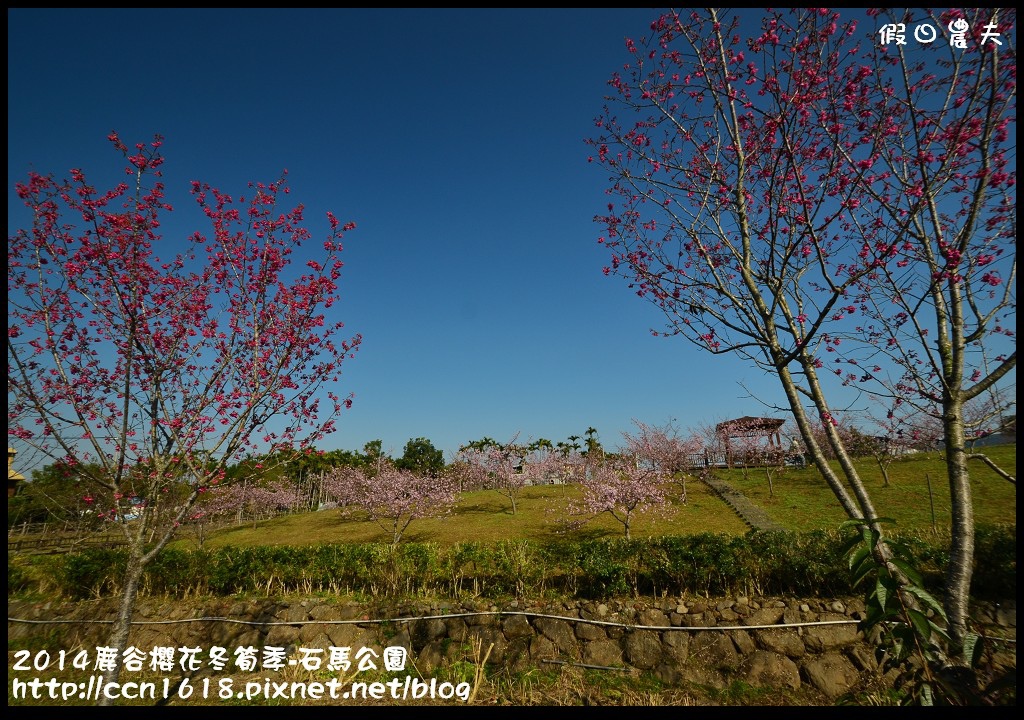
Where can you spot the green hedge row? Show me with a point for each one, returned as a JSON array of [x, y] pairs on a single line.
[[760, 563]]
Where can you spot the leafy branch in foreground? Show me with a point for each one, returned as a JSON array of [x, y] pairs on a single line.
[[911, 625]]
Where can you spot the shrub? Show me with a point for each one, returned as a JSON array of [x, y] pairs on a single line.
[[766, 563]]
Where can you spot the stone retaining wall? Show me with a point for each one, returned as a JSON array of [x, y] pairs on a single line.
[[807, 645]]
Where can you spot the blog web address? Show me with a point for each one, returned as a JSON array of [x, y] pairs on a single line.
[[96, 688], [31, 677]]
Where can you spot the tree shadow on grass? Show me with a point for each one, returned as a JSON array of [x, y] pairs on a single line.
[[581, 534], [413, 536], [484, 508]]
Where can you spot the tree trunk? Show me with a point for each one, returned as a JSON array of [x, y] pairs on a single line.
[[810, 442], [961, 551], [884, 467], [118, 638]]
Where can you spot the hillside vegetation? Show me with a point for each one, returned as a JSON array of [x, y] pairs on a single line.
[[917, 498]]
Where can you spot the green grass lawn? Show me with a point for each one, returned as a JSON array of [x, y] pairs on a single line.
[[802, 501], [486, 516]]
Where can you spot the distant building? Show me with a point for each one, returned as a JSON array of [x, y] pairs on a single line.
[[13, 478]]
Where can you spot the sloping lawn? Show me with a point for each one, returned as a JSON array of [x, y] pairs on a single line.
[[801, 502], [485, 516]]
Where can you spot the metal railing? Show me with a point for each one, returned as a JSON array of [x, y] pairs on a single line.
[[737, 458]]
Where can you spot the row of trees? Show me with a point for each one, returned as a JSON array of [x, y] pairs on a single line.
[[650, 467], [279, 482], [394, 492], [622, 484]]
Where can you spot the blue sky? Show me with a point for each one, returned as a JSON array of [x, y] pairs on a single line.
[[454, 140]]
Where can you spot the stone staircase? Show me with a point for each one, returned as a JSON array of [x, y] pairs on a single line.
[[750, 513]]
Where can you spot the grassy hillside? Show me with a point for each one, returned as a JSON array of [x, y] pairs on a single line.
[[486, 516], [801, 501]]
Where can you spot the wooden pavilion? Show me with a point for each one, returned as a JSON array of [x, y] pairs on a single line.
[[762, 441]]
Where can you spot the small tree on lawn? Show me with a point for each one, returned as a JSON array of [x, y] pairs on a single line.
[[255, 501], [664, 448], [629, 482], [899, 435], [141, 369], [497, 466], [619, 488], [393, 498]]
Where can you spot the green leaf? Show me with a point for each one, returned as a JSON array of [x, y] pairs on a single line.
[[907, 569], [858, 555], [924, 596], [902, 551], [940, 632], [973, 648], [899, 648], [885, 588], [851, 545], [881, 593], [865, 569], [927, 697], [921, 623]]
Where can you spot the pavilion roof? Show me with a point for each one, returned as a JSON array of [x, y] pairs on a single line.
[[748, 425]]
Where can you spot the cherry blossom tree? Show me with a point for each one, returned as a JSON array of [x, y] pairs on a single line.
[[666, 449], [827, 205], [143, 368], [252, 501], [239, 503], [497, 466], [392, 497], [467, 476], [620, 488], [629, 482]]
